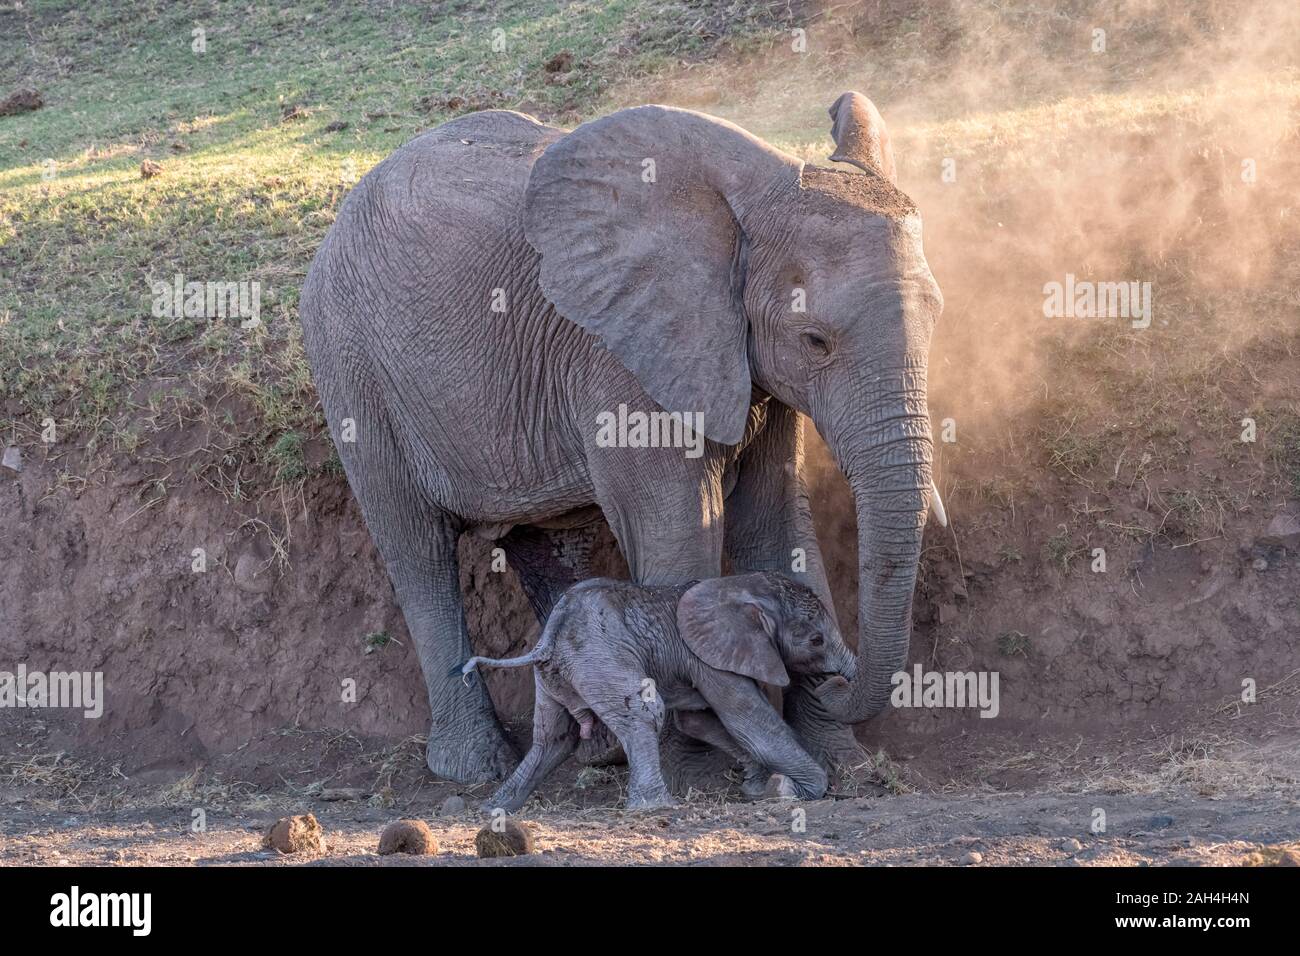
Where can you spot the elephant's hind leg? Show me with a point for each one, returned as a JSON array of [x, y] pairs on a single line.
[[549, 561], [555, 737], [615, 693], [418, 543]]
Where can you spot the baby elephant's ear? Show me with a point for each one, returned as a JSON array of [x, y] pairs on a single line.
[[729, 628]]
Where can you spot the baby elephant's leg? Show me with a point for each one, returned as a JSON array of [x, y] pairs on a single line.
[[754, 724], [555, 737], [704, 725], [638, 731], [636, 716]]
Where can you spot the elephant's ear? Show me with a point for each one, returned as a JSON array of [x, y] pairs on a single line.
[[729, 627], [861, 137], [638, 217]]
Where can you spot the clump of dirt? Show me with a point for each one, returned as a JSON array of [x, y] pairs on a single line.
[[300, 834], [21, 101], [467, 101], [562, 62], [836, 190], [1279, 855], [407, 836], [503, 838]]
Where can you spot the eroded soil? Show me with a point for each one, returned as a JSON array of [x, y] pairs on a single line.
[[1220, 791]]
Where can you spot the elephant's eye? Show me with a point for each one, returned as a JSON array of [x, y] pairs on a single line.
[[817, 641], [815, 342]]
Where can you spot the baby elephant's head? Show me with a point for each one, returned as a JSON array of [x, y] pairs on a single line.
[[762, 625]]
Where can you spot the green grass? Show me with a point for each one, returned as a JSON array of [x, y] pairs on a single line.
[[254, 168], [1012, 643], [251, 180], [1059, 551], [377, 640], [287, 456], [1284, 448]]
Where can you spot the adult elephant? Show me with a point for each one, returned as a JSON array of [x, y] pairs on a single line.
[[497, 289]]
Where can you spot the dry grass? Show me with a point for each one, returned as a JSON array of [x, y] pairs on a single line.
[[56, 776], [1208, 764]]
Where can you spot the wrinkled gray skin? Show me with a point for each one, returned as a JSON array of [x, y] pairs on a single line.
[[630, 655], [496, 283]]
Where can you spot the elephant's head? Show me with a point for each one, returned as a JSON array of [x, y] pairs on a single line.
[[762, 625], [716, 267]]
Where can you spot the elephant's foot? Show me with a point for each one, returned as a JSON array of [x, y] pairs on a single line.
[[470, 751], [656, 798], [507, 799], [831, 743], [779, 787], [755, 785]]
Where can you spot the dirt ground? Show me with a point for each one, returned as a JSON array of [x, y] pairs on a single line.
[[1220, 791], [915, 829]]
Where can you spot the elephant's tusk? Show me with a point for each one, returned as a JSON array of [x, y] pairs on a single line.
[[936, 507]]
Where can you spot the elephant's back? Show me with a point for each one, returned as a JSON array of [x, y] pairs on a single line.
[[448, 194], [468, 174], [425, 294], [408, 271]]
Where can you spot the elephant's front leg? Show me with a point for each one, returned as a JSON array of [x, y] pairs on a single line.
[[769, 527], [704, 725], [756, 727], [665, 509], [664, 505]]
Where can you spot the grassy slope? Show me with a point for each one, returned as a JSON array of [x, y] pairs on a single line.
[[247, 193]]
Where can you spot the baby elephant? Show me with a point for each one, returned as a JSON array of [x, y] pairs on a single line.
[[628, 655]]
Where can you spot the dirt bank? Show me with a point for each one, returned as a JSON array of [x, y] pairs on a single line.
[[223, 668]]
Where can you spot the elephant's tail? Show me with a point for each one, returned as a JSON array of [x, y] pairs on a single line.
[[526, 660], [542, 652]]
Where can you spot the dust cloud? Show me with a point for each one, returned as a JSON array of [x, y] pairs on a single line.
[[1138, 141], [1133, 141]]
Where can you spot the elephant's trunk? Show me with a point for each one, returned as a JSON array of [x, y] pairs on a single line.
[[845, 664], [886, 458]]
